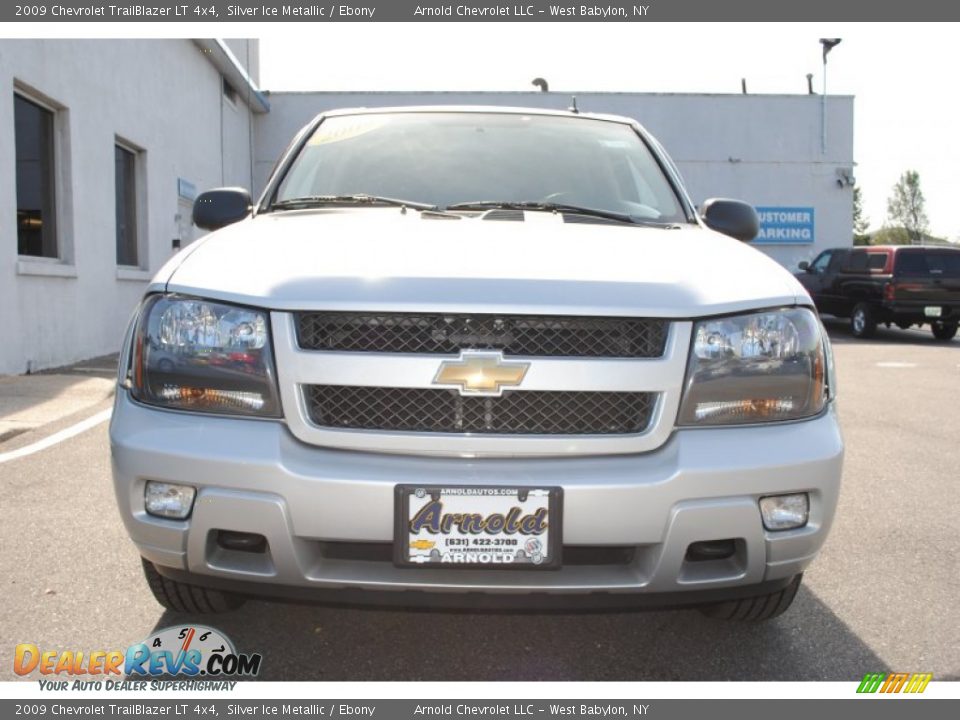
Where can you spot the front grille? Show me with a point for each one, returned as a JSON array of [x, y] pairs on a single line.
[[529, 335], [522, 412]]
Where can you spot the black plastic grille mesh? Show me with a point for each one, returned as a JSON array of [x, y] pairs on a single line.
[[531, 412], [530, 335]]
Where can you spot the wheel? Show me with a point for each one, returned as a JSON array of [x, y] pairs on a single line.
[[183, 598], [755, 609], [944, 330], [862, 322]]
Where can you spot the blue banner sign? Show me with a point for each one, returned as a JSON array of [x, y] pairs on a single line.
[[785, 226]]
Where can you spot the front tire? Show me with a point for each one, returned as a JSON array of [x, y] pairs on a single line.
[[180, 597], [944, 331], [863, 323], [755, 609]]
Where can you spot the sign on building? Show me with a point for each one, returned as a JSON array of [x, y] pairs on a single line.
[[786, 226]]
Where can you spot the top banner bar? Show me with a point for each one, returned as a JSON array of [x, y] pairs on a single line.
[[524, 11]]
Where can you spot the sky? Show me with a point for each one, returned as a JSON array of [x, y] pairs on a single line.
[[903, 76]]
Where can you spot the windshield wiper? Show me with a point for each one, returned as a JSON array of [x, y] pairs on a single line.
[[355, 199], [556, 207]]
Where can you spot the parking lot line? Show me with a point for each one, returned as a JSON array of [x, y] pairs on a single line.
[[57, 437]]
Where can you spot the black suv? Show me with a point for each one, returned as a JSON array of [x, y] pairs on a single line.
[[900, 285]]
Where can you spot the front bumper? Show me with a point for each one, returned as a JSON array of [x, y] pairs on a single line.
[[254, 476]]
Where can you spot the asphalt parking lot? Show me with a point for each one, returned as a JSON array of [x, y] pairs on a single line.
[[882, 596]]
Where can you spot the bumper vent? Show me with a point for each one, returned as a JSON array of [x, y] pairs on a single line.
[[525, 412], [527, 335]]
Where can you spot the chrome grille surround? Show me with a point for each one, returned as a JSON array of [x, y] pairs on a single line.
[[297, 369]]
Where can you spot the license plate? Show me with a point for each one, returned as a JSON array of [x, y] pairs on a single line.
[[932, 311], [454, 526]]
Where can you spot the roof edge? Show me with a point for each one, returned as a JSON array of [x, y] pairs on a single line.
[[557, 94], [222, 58]]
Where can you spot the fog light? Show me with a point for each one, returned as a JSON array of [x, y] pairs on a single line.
[[785, 512], [168, 500]]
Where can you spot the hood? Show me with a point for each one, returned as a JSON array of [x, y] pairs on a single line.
[[382, 259]]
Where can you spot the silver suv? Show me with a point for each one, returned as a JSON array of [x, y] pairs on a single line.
[[476, 355]]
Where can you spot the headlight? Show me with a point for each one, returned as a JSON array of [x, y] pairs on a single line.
[[760, 367], [193, 354]]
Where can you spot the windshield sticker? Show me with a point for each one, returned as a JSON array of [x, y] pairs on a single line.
[[339, 129]]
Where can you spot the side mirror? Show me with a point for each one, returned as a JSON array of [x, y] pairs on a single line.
[[804, 265], [731, 217], [218, 208]]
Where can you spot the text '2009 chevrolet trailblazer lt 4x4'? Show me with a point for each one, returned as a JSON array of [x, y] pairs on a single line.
[[475, 355]]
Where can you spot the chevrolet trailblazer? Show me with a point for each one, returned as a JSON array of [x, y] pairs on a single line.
[[476, 354]]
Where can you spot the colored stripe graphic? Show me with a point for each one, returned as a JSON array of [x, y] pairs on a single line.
[[871, 682], [918, 683], [894, 682]]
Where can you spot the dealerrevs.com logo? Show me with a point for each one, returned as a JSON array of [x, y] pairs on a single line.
[[193, 652]]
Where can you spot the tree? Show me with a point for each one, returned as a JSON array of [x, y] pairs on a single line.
[[890, 236], [861, 223], [906, 206]]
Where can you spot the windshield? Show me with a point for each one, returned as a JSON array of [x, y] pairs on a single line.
[[446, 158]]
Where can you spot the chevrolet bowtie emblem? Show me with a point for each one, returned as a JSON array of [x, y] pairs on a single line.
[[481, 373]]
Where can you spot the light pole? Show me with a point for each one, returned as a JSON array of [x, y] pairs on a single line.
[[828, 45]]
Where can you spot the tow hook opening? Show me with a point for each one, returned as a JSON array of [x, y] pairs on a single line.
[[241, 541], [711, 550]]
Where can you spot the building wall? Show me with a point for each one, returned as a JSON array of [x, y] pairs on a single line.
[[237, 125], [764, 149], [162, 96]]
